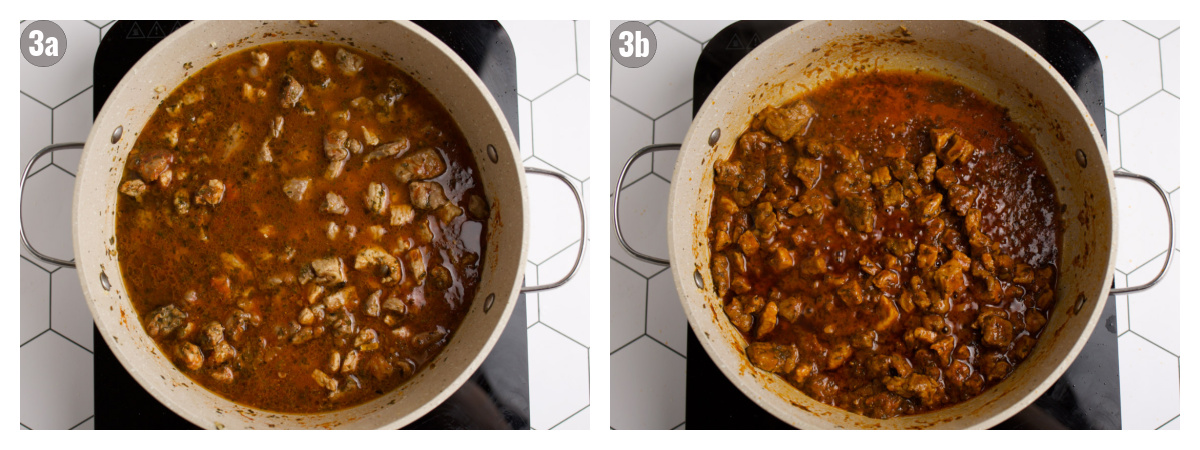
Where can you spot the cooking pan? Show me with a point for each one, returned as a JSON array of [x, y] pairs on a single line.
[[976, 54], [405, 45]]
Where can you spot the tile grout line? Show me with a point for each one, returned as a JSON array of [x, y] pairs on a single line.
[[560, 83], [627, 106], [668, 25], [544, 324], [36, 336], [1168, 421], [72, 341], [668, 347], [568, 247], [640, 336], [1135, 333], [570, 416], [81, 422], [72, 97]]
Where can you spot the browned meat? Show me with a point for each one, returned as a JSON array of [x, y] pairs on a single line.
[[838, 356], [720, 274], [860, 212], [930, 205], [402, 214], [416, 263], [996, 331], [133, 188], [164, 320], [851, 184], [881, 177], [915, 385], [790, 120], [727, 173], [153, 165], [211, 335], [190, 355], [927, 168], [387, 265], [329, 271], [222, 352], [348, 63], [764, 220], [477, 207], [211, 193], [949, 277], [851, 293], [422, 165], [893, 195], [376, 198], [781, 259], [398, 147], [946, 177], [808, 170], [1034, 321], [962, 198], [335, 145], [772, 357], [295, 188], [767, 319], [334, 204], [427, 195], [813, 265], [941, 137], [748, 243], [292, 90]]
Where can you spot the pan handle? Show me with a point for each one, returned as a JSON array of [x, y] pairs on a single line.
[[616, 211], [1170, 235], [582, 232], [24, 176]]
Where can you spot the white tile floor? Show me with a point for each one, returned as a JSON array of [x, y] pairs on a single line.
[[653, 105], [56, 327]]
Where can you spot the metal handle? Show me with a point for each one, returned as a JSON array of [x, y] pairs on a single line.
[[616, 214], [21, 214], [582, 232], [1170, 235]]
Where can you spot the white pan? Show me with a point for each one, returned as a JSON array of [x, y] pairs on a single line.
[[413, 50], [976, 54]]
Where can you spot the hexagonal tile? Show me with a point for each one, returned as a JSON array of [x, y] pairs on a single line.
[[670, 128], [72, 123], [553, 213], [1083, 24], [525, 113], [665, 320], [1129, 55], [1149, 383], [1158, 28], [1172, 425], [558, 377], [100, 23], [548, 45], [700, 30], [1154, 313], [643, 222], [1142, 227], [628, 131], [35, 300], [89, 424], [663, 83], [35, 132], [53, 85], [69, 313], [583, 54], [648, 387], [566, 308], [1150, 139], [47, 212], [561, 127], [531, 299], [580, 421], [1112, 124], [1170, 62], [33, 259], [627, 304], [105, 28], [56, 383]]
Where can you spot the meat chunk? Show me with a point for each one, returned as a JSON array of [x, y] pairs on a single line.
[[860, 212], [222, 374], [329, 271], [889, 314], [749, 243], [190, 355], [376, 198], [781, 259], [324, 380], [164, 320], [427, 195], [153, 165], [767, 320], [211, 193], [949, 277], [397, 147], [1034, 321], [893, 195], [881, 177], [720, 274], [915, 385], [348, 63], [927, 256], [930, 205], [295, 188], [946, 177], [962, 198], [402, 214], [334, 204], [813, 265], [926, 169], [764, 220], [416, 263], [318, 60], [421, 165], [222, 352], [851, 184], [776, 358], [838, 356], [448, 213], [995, 331], [477, 207], [808, 170], [388, 265], [212, 334], [367, 340], [133, 188], [335, 145], [851, 293], [291, 93], [940, 137], [788, 121], [727, 173]]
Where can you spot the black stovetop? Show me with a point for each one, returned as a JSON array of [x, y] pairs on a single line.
[[1088, 394], [495, 397]]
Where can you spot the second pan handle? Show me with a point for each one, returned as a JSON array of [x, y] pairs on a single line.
[[616, 214]]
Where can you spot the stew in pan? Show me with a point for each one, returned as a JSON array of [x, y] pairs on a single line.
[[886, 242], [301, 226]]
